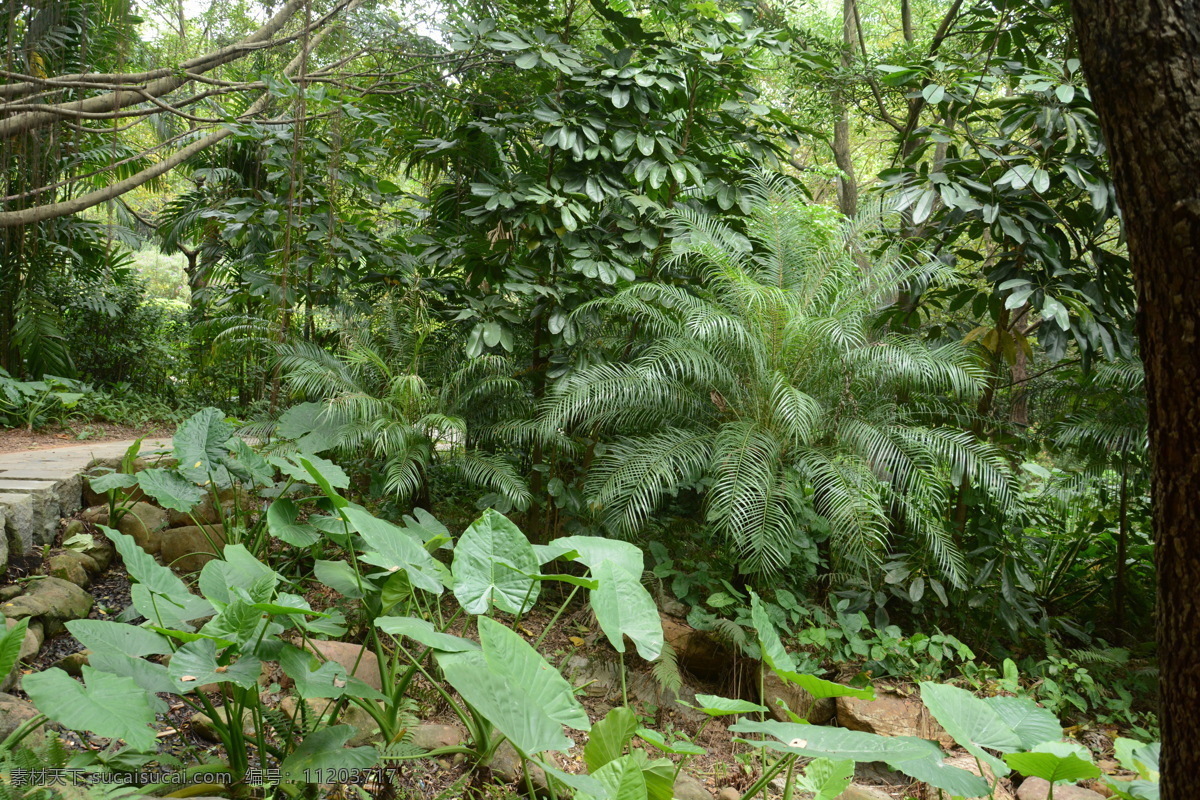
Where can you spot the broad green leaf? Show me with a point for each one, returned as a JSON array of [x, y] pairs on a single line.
[[773, 652], [1138, 757], [324, 750], [623, 779], [971, 722], [247, 465], [1032, 723], [506, 706], [492, 562], [586, 785], [715, 706], [825, 779], [624, 608], [10, 644], [1055, 762], [283, 525], [313, 678], [509, 655], [308, 424], [592, 550], [199, 444], [423, 632], [159, 595], [102, 484], [394, 548], [681, 747], [196, 663], [820, 688], [170, 490], [341, 577], [608, 738], [111, 706], [96, 633], [153, 678], [328, 475], [235, 570]]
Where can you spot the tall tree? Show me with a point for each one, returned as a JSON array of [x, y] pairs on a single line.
[[1142, 59]]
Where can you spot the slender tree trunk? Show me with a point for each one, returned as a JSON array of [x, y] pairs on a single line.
[[906, 20], [847, 185], [1122, 550], [1142, 60]]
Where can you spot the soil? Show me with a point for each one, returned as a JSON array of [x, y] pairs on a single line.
[[16, 440]]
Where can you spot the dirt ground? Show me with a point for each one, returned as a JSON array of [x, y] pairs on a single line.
[[17, 440]]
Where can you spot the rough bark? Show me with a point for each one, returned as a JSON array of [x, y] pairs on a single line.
[[1142, 60], [847, 184]]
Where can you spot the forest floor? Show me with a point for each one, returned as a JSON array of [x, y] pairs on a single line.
[[16, 440]]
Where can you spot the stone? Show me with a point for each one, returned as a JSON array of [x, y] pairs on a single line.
[[1039, 789], [890, 715], [506, 767], [19, 521], [53, 599], [431, 736], [817, 711], [145, 523], [3, 543], [72, 566], [857, 791], [690, 788], [13, 713], [101, 552], [74, 663], [1001, 790], [95, 515], [367, 730], [358, 660], [189, 549], [31, 645], [45, 504], [206, 513], [729, 793]]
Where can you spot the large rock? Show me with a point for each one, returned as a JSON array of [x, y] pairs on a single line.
[[506, 767], [20, 522], [367, 730], [857, 791], [73, 566], [890, 715], [3, 543], [431, 736], [95, 515], [689, 788], [204, 727], [145, 523], [774, 689], [189, 549], [52, 599], [13, 713], [1039, 789], [358, 660]]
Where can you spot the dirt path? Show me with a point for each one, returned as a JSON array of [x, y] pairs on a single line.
[[18, 440]]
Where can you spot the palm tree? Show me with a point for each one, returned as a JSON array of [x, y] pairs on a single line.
[[381, 405], [773, 384]]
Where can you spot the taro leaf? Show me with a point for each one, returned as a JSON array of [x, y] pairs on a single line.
[[240, 623], [715, 706], [1138, 757], [96, 633], [248, 466], [310, 426], [199, 444], [423, 632], [681, 747], [915, 757], [1055, 762], [971, 722], [394, 548], [819, 687], [509, 655], [169, 489], [111, 706], [825, 779], [237, 568], [341, 577], [313, 678], [282, 524], [324, 751], [585, 785], [506, 706], [591, 550], [10, 644], [608, 738], [1032, 723], [196, 664], [623, 779], [153, 678], [109, 481], [773, 652], [327, 474], [433, 533], [159, 595], [624, 608], [492, 564]]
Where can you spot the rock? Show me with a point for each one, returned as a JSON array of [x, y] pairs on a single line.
[[13, 713], [145, 523], [506, 767], [95, 515], [672, 607], [1001, 789], [697, 652], [689, 788], [206, 513], [20, 522], [890, 715], [358, 661], [3, 543], [72, 566], [729, 793], [318, 708], [857, 791], [1039, 789], [74, 663], [774, 689], [101, 552], [53, 599], [431, 736], [189, 549]]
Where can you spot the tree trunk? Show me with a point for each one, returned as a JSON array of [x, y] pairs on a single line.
[[1142, 60], [847, 185]]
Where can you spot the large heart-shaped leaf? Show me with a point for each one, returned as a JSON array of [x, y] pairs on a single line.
[[199, 445], [310, 425], [509, 655], [608, 737], [323, 754], [715, 706], [591, 550], [197, 663], [1056, 762], [1032, 723], [282, 523], [624, 608], [971, 722], [96, 633], [159, 595], [106, 705], [394, 548], [169, 489], [236, 571], [825, 779], [423, 632], [493, 562], [245, 463], [342, 578], [623, 779]]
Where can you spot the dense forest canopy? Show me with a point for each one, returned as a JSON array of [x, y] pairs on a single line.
[[827, 303]]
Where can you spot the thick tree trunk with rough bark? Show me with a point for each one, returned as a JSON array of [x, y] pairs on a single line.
[[1142, 59]]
